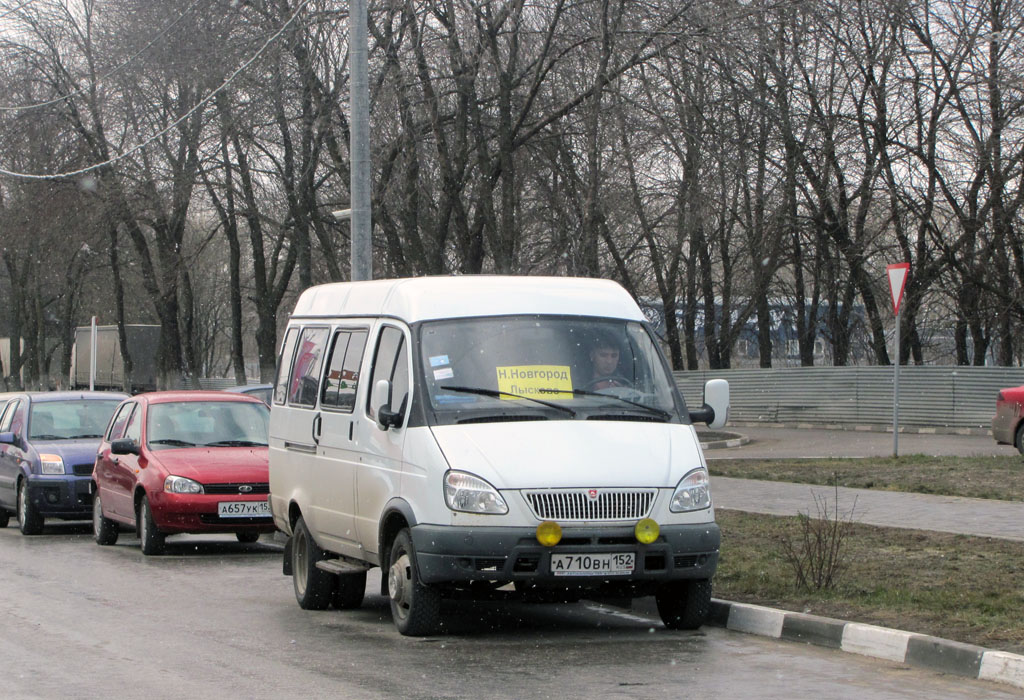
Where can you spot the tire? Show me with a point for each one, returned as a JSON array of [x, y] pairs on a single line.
[[30, 522], [415, 607], [247, 537], [150, 536], [684, 605], [104, 530], [349, 591], [1018, 439], [313, 587], [5, 518]]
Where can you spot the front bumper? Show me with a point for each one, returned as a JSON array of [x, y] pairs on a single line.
[[447, 554], [197, 513], [67, 497]]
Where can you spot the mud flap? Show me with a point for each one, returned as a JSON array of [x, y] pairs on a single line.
[[286, 565]]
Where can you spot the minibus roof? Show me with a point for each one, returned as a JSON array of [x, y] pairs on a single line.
[[429, 298]]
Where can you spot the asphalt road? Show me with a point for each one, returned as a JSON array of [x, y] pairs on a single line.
[[216, 619]]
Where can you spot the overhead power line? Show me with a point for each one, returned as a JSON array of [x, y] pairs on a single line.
[[135, 149]]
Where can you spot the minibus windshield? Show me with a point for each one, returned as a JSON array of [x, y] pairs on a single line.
[[544, 368]]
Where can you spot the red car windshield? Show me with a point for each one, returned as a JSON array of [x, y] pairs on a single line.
[[207, 424]]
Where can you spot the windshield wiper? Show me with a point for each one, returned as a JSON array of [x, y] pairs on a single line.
[[497, 393], [235, 443], [581, 392], [49, 436], [84, 436], [172, 441]]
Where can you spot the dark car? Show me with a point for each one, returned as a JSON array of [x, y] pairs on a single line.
[[184, 462], [260, 391], [48, 443], [1008, 422]]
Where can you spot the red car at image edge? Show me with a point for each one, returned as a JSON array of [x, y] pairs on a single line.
[[1008, 422], [183, 462]]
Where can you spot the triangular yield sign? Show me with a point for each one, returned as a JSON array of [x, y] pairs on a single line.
[[897, 281]]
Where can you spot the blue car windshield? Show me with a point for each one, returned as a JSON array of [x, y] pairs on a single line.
[[74, 419]]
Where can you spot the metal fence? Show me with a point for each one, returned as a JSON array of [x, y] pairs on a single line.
[[935, 397]]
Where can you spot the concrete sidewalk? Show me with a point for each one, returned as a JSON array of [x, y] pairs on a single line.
[[962, 516]]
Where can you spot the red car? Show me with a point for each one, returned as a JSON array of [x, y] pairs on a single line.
[[183, 462], [1008, 422]]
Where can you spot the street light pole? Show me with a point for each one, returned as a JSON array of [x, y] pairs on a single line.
[[359, 144]]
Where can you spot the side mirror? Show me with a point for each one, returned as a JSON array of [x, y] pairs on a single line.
[[715, 411], [124, 446], [380, 403], [8, 439]]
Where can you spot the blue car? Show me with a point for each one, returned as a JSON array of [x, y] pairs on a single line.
[[48, 444]]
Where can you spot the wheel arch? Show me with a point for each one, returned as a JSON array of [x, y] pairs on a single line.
[[396, 516]]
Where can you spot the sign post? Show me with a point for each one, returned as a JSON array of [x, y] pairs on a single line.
[[897, 282]]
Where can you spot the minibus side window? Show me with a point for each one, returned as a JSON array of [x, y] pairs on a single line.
[[309, 359], [284, 366], [342, 377], [392, 363]]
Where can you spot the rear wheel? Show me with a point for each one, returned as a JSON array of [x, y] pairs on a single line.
[[104, 530], [684, 605], [247, 537], [415, 607], [152, 539], [349, 591], [313, 587], [5, 517], [29, 520]]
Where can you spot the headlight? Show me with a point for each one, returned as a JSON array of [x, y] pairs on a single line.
[[471, 494], [51, 464], [179, 484], [692, 493]]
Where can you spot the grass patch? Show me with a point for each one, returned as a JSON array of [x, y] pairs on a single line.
[[977, 477], [969, 589]]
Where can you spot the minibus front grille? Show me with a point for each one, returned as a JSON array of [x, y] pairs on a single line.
[[590, 504]]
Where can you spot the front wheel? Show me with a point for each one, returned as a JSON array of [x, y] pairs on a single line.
[[5, 517], [104, 530], [313, 587], [1018, 439], [415, 607], [684, 605], [152, 539], [29, 520]]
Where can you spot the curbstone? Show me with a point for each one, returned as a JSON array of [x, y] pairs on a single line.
[[1002, 667], [813, 629], [871, 640], [909, 648], [755, 619], [944, 655]]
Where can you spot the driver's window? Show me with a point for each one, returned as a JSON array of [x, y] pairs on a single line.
[[134, 430], [120, 420], [391, 362]]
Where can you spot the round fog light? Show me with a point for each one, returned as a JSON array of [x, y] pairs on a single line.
[[549, 533], [646, 531]]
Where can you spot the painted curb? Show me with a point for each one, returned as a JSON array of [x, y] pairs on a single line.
[[909, 648], [738, 441]]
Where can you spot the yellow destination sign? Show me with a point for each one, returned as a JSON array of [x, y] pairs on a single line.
[[536, 381]]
